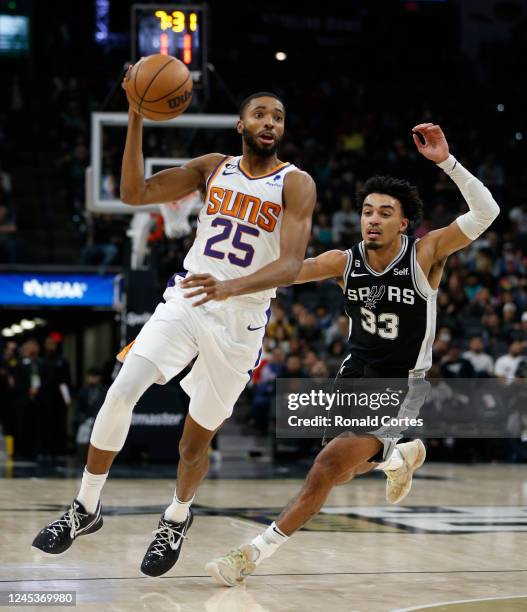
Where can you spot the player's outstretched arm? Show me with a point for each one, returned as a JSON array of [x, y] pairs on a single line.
[[327, 265], [300, 198], [483, 209], [163, 186]]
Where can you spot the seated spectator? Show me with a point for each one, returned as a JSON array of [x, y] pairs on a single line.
[[319, 370], [481, 303], [491, 174], [506, 365], [509, 319], [310, 358], [103, 242], [8, 364], [27, 404], [279, 319], [5, 183], [472, 286], [7, 234], [492, 330], [336, 353], [520, 334], [456, 293], [89, 400], [293, 368], [322, 231], [518, 216], [281, 339], [324, 318], [345, 223], [453, 365], [339, 330], [482, 362], [308, 329]]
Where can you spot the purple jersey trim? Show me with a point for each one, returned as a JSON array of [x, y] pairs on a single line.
[[172, 279], [257, 178], [268, 315], [214, 171]]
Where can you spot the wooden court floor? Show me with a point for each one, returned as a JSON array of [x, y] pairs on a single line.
[[459, 544]]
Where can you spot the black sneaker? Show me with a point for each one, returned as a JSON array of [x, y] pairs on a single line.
[[58, 536], [164, 550]]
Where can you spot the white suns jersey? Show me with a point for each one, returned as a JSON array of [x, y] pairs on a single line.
[[239, 224]]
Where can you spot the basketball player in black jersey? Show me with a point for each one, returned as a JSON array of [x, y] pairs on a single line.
[[390, 282]]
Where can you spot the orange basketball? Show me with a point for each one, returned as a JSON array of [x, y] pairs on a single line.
[[159, 87]]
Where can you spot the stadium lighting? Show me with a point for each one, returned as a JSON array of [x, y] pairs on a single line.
[[16, 329], [280, 56], [518, 136], [26, 324], [7, 333], [500, 108]]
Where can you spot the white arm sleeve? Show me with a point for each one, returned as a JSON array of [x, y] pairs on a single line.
[[483, 207]]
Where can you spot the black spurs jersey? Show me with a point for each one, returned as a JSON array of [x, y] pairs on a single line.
[[392, 313]]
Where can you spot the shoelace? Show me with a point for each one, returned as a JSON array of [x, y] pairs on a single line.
[[390, 475], [166, 536], [241, 562], [238, 558], [71, 520]]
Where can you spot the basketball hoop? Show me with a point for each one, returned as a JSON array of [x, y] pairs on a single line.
[[176, 214]]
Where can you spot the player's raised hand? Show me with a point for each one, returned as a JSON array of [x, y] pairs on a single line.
[[209, 287], [433, 145], [126, 76]]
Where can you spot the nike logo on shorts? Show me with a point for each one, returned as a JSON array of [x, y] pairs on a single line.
[[254, 328]]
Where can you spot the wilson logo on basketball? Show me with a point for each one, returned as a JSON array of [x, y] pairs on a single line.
[[179, 100]]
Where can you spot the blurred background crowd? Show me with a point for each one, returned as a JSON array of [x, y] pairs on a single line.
[[350, 110]]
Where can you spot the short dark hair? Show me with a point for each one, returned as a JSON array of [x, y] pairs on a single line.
[[401, 190], [259, 94]]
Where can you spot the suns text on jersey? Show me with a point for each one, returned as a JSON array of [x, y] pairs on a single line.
[[244, 207]]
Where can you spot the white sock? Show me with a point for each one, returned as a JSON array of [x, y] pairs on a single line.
[[393, 463], [177, 512], [267, 543], [90, 491]]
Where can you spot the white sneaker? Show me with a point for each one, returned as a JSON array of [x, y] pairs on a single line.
[[232, 569], [399, 481]]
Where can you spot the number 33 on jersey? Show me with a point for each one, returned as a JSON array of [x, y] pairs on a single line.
[[239, 225]]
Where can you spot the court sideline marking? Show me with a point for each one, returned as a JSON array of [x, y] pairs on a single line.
[[457, 601]]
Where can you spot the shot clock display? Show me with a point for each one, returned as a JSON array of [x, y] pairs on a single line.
[[172, 29]]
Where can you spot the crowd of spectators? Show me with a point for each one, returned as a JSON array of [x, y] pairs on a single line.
[[41, 410]]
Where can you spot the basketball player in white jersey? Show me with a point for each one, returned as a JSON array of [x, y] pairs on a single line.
[[252, 235], [390, 283]]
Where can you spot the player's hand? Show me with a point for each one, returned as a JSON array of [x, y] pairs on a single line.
[[126, 76], [213, 288], [435, 147]]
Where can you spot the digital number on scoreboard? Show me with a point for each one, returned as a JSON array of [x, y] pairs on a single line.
[[171, 29]]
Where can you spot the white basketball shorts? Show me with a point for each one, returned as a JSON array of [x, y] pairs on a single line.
[[226, 338]]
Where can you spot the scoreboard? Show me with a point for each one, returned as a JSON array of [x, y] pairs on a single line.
[[172, 29]]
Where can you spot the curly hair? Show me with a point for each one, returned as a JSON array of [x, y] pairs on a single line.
[[401, 190]]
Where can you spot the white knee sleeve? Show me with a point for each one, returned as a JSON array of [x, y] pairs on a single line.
[[114, 418]]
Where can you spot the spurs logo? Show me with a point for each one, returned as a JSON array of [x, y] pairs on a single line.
[[376, 293]]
